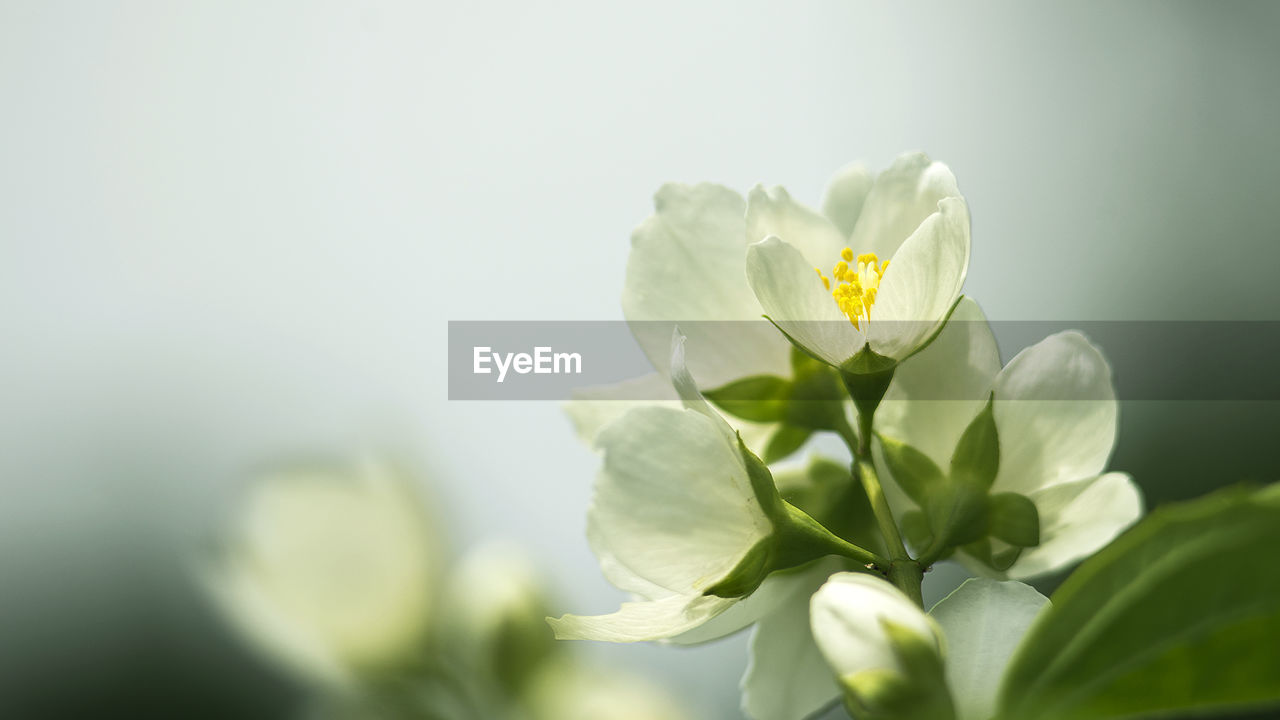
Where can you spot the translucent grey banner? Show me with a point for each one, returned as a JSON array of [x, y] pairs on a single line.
[[1150, 360]]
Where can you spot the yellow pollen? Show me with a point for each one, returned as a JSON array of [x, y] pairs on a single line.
[[856, 287]]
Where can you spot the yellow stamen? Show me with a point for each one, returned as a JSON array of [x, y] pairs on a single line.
[[825, 282], [855, 287]]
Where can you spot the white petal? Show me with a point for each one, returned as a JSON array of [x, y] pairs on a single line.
[[687, 264], [775, 590], [846, 615], [922, 283], [1078, 519], [937, 393], [592, 408], [1055, 411], [792, 295], [983, 622], [774, 213], [846, 195], [901, 198], [787, 678], [673, 503], [640, 621]]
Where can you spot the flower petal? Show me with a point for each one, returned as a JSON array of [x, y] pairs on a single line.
[[1077, 519], [846, 195], [922, 283], [983, 622], [773, 213], [1055, 411], [787, 678], [673, 503], [687, 264], [793, 297], [937, 393], [640, 621], [592, 408], [899, 201]]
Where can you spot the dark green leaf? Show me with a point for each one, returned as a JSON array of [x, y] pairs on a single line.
[[825, 491], [1181, 614], [759, 398], [1014, 519], [977, 456], [915, 528]]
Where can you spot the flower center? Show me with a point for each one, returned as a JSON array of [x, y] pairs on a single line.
[[855, 285]]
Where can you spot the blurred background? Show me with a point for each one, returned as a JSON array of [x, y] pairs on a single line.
[[232, 234]]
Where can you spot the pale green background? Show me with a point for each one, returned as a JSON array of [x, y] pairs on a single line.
[[234, 232]]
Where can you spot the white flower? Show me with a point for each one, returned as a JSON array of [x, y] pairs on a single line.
[[1055, 414], [332, 573], [912, 216], [674, 513], [688, 264]]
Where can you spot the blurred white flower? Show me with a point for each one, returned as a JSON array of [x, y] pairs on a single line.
[[898, 249], [576, 691], [1055, 414], [332, 572]]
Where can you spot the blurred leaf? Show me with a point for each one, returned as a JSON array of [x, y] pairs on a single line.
[[1182, 613], [785, 441]]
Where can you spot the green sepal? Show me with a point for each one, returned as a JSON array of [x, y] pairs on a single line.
[[1014, 519], [976, 458], [784, 441], [915, 529], [957, 513], [759, 398], [747, 575], [1000, 561], [867, 388], [829, 495], [796, 538], [914, 472]]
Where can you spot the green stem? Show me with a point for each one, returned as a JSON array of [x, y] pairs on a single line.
[[907, 576], [880, 508]]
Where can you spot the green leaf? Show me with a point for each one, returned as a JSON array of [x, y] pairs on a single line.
[[977, 456], [1181, 614], [785, 441], [1014, 519], [759, 398], [815, 398], [914, 472]]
